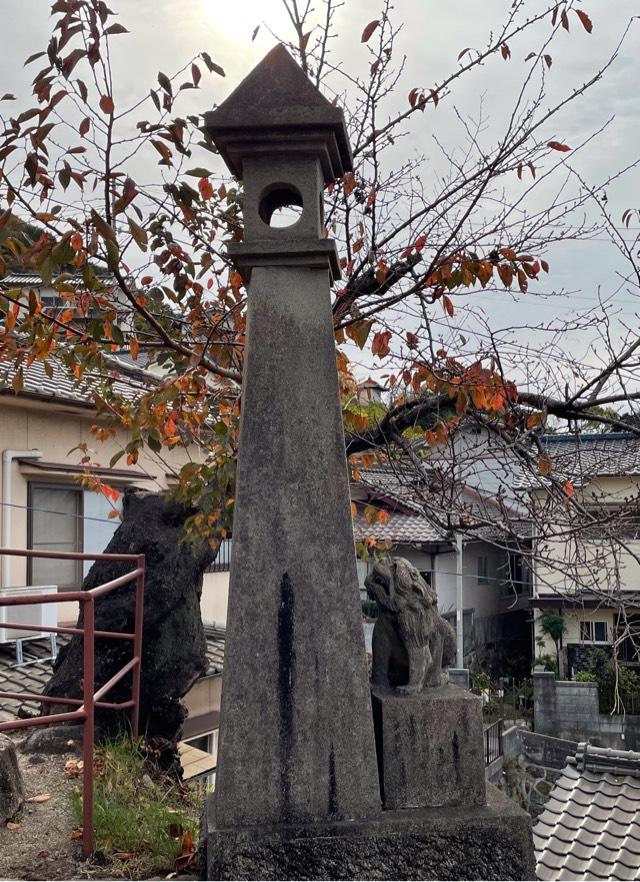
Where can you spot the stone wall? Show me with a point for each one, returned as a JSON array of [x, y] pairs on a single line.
[[532, 764], [569, 709]]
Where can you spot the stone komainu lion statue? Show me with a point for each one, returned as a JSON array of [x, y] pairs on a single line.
[[411, 641]]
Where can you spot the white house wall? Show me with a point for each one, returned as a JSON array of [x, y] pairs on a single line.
[[483, 598], [55, 429]]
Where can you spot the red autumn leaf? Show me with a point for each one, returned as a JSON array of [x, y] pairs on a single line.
[[464, 52], [380, 343], [412, 340], [448, 305], [359, 332], [506, 52], [520, 172], [421, 241], [564, 18], [544, 265], [76, 241], [586, 21], [548, 60], [381, 272], [544, 464], [568, 488], [368, 31], [535, 419], [413, 97], [106, 104], [530, 56], [506, 274], [532, 169], [556, 145], [206, 188], [522, 281], [84, 126], [349, 183]]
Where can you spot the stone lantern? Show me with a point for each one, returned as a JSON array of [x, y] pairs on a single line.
[[296, 735]]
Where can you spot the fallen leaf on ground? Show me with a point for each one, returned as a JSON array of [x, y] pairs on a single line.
[[42, 854], [123, 855], [12, 825], [41, 797], [76, 834], [72, 768]]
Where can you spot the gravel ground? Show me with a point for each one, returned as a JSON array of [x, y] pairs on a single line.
[[41, 846]]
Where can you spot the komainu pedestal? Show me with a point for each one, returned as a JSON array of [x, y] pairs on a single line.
[[430, 747]]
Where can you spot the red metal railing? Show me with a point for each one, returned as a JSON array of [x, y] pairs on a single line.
[[91, 699]]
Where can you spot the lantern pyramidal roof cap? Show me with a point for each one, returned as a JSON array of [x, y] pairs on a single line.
[[278, 99]]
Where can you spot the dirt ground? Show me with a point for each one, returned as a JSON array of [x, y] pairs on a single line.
[[41, 846]]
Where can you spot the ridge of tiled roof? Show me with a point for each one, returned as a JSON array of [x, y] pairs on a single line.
[[590, 826], [61, 386], [585, 456], [607, 759], [26, 278], [401, 528]]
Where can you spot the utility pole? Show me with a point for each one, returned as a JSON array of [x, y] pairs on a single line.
[[459, 603]]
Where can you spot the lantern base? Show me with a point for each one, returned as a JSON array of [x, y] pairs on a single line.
[[475, 842]]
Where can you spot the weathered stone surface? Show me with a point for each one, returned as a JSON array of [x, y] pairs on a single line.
[[296, 738], [53, 739], [429, 747], [277, 102], [11, 787], [459, 677], [486, 842], [173, 642]]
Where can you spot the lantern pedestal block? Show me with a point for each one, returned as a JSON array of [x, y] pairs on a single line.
[[466, 842]]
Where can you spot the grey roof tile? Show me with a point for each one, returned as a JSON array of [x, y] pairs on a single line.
[[590, 826], [61, 386], [33, 677]]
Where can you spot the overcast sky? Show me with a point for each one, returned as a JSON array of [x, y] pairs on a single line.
[[167, 33]]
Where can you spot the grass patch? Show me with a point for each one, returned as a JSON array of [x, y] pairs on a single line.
[[143, 819]]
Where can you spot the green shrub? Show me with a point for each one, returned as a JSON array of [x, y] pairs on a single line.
[[480, 680], [585, 677]]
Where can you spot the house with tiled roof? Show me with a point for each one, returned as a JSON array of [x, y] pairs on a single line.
[[44, 506], [495, 580], [593, 580], [590, 826]]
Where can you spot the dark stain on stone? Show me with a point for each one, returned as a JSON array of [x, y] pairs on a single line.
[[286, 689], [333, 785], [455, 744]]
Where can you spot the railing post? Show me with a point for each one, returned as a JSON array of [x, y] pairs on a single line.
[[137, 646], [89, 727]]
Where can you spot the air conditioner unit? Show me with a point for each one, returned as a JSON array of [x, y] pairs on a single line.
[[37, 615]]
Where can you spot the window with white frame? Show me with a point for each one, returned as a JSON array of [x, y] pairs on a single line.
[[593, 632], [66, 518]]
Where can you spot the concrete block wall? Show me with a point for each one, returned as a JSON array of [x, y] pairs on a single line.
[[569, 709]]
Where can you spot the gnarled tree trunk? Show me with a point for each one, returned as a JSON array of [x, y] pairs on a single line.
[[173, 641]]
